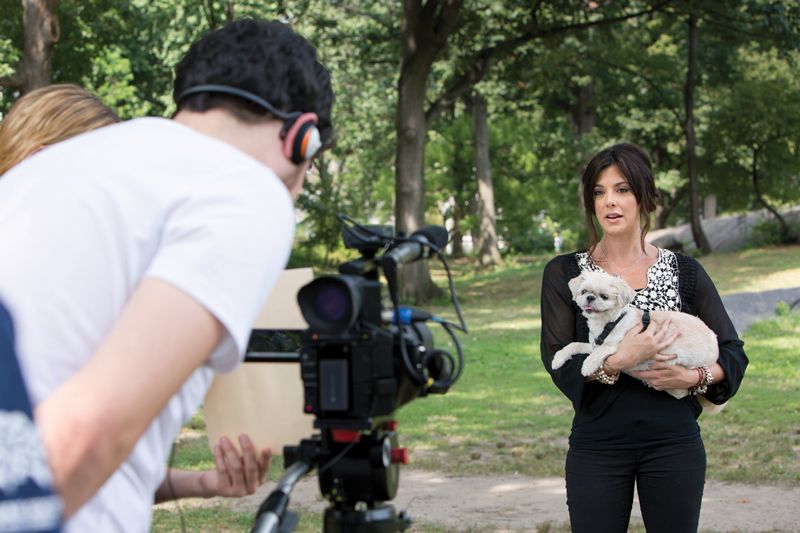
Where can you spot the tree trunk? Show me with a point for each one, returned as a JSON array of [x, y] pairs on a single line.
[[457, 235], [667, 203], [700, 239], [488, 253], [42, 31], [582, 113], [424, 34], [582, 118], [786, 236], [415, 280]]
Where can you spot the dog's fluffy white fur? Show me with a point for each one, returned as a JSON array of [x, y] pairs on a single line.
[[603, 298]]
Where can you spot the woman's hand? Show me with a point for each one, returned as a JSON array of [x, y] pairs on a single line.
[[638, 346], [662, 375], [236, 474]]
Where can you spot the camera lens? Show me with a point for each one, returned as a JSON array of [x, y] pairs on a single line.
[[332, 303]]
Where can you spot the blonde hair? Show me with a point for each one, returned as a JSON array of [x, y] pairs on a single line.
[[46, 116]]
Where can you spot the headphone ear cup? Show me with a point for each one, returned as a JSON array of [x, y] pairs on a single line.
[[302, 140]]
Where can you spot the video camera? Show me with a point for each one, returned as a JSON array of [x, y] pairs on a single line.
[[359, 362]]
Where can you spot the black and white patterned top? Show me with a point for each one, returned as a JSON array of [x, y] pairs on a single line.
[[661, 293]]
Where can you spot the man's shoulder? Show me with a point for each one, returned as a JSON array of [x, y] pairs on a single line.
[[154, 133], [175, 152], [143, 128]]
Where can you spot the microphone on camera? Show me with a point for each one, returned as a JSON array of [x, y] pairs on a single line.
[[418, 245]]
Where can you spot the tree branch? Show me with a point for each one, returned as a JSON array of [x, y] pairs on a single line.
[[601, 22], [652, 84], [11, 82], [483, 58]]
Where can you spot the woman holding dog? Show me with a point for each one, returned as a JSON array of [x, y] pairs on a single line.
[[626, 431]]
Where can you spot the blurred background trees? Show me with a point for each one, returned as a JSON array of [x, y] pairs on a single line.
[[477, 114]]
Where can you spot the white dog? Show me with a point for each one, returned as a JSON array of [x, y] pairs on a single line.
[[605, 302]]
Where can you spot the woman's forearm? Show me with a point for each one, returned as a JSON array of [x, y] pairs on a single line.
[[186, 484]]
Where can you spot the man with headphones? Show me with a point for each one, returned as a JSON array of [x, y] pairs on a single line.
[[136, 258]]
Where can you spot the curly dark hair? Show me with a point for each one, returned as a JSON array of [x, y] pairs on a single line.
[[634, 165], [265, 58]]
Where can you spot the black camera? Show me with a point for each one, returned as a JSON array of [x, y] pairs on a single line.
[[360, 363], [360, 360]]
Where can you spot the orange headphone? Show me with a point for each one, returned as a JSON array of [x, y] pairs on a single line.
[[301, 139]]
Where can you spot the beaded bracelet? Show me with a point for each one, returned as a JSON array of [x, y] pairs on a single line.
[[604, 378], [704, 382]]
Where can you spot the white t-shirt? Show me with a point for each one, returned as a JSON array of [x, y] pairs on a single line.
[[84, 221]]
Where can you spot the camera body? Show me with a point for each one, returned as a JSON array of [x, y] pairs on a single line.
[[353, 374], [359, 362]]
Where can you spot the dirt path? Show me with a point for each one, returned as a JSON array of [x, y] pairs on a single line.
[[745, 308], [519, 503]]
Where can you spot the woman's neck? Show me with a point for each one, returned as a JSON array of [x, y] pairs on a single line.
[[626, 259], [621, 250]]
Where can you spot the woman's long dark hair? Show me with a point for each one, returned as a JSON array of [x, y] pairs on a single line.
[[634, 165]]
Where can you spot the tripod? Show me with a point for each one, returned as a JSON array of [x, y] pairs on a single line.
[[357, 474]]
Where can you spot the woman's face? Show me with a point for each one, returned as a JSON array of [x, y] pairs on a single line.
[[615, 204]]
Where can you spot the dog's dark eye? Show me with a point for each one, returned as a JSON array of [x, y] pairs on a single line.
[[603, 297], [583, 291]]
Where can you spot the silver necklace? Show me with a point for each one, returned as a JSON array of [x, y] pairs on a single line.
[[619, 273]]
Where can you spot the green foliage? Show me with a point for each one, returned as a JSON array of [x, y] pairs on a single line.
[[197, 422], [555, 98], [357, 42], [783, 309], [112, 80], [218, 518], [768, 233], [756, 125], [8, 51], [192, 453]]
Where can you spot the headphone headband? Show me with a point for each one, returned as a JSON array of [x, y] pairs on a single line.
[[241, 93], [301, 139]]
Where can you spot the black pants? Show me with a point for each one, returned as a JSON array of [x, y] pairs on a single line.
[[669, 480]]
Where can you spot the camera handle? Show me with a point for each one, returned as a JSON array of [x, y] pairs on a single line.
[[271, 512]]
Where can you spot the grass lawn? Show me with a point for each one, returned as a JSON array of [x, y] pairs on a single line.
[[756, 269], [506, 416]]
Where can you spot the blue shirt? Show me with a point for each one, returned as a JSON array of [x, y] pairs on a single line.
[[27, 501]]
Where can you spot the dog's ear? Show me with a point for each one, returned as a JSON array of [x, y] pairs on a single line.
[[575, 285], [624, 291]]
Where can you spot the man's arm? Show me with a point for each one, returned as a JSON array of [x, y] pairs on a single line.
[[91, 423]]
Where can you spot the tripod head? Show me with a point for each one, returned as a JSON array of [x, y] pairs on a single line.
[[359, 363]]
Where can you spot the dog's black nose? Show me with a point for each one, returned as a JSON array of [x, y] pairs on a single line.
[[590, 298]]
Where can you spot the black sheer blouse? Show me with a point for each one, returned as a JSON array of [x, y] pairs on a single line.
[[629, 414]]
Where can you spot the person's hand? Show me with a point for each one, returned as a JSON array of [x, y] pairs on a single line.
[[638, 346], [237, 474], [662, 375]]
